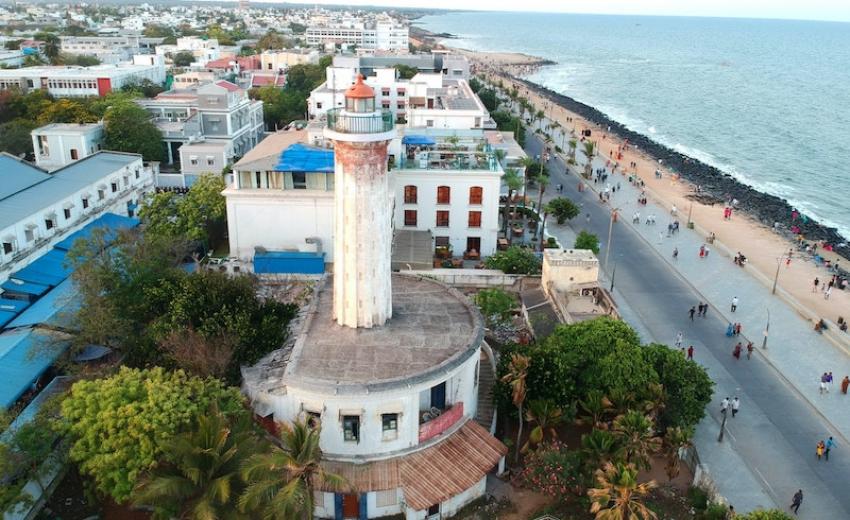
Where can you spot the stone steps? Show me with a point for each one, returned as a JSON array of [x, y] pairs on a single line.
[[486, 382]]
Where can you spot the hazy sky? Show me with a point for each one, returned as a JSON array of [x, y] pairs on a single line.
[[838, 10]]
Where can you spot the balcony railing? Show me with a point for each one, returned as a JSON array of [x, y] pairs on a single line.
[[441, 423], [372, 123]]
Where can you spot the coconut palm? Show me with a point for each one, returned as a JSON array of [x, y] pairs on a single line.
[[589, 151], [622, 400], [655, 401], [618, 496], [539, 116], [542, 183], [636, 434], [515, 378], [513, 182], [530, 165], [674, 440], [199, 478], [593, 408], [546, 415], [599, 447], [281, 482], [573, 145]]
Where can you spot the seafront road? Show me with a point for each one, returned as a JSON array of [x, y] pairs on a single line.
[[769, 448]]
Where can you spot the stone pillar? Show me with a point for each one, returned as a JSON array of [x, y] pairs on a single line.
[[363, 234]]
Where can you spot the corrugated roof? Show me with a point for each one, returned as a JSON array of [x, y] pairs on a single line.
[[24, 355], [60, 184], [17, 175], [24, 288], [109, 221], [265, 155], [53, 309], [48, 269]]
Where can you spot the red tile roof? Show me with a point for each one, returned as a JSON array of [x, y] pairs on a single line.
[[228, 85], [249, 62], [262, 81], [221, 63]]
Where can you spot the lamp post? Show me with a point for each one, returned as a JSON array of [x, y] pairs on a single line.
[[766, 330], [722, 425], [610, 235], [776, 276], [613, 274]]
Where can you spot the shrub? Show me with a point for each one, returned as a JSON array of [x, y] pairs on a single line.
[[553, 470], [586, 240], [515, 260]]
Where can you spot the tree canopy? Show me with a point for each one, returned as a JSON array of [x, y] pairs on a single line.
[[586, 240], [192, 215], [515, 260], [183, 59], [563, 209], [128, 128], [118, 425]]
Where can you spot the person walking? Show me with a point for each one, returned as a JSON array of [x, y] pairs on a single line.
[[844, 384], [737, 351], [750, 349], [693, 311], [827, 292], [704, 309], [830, 443], [820, 449], [797, 500], [679, 338], [815, 285], [724, 405], [675, 253], [823, 387], [736, 403], [691, 356], [734, 303]]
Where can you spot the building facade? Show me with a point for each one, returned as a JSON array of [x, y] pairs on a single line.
[[384, 34], [59, 144]]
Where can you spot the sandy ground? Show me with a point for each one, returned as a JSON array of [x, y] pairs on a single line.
[[760, 245]]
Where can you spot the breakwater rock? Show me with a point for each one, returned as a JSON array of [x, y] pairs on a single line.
[[767, 209]]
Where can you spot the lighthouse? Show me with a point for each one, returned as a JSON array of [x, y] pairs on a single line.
[[362, 286]]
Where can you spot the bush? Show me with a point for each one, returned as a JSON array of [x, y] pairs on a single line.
[[586, 240], [562, 209], [515, 260], [495, 304], [553, 470]]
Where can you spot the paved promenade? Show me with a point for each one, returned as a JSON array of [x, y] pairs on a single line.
[[783, 415]]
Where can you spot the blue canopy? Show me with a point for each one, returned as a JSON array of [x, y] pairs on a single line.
[[290, 262], [420, 140], [28, 289], [49, 269], [24, 355], [110, 221], [301, 158], [51, 309]]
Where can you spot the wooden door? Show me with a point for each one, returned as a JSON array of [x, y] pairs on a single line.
[[350, 507]]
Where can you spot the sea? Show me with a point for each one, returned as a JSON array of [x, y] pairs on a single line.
[[767, 101]]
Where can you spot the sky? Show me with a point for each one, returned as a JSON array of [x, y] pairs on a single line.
[[834, 10]]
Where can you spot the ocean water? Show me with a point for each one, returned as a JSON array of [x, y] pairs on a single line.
[[767, 101]]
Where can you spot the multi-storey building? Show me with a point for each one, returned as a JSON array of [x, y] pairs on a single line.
[[281, 60], [214, 112], [204, 50], [453, 66], [109, 49], [59, 144], [39, 209], [98, 80], [385, 33]]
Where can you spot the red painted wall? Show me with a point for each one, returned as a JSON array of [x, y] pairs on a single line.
[[104, 86], [442, 423]]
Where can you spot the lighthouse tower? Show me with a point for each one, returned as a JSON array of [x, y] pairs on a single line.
[[363, 209]]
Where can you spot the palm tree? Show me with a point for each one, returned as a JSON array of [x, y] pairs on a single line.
[[655, 401], [674, 440], [513, 182], [539, 116], [621, 400], [594, 408], [635, 432], [573, 145], [589, 150], [599, 447], [515, 378], [618, 496], [547, 415], [51, 46], [199, 478], [528, 163], [542, 183], [281, 482]]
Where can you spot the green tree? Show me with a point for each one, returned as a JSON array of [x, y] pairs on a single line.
[[496, 305], [586, 240], [51, 45], [79, 60], [144, 88], [675, 439], [128, 128], [563, 209], [514, 260], [281, 483], [488, 97], [297, 28], [158, 31], [198, 477], [513, 182], [542, 183], [12, 45], [405, 71], [618, 496], [118, 425], [599, 447], [271, 40], [636, 434], [15, 136], [589, 151], [183, 59], [686, 384], [515, 378], [66, 111], [593, 408], [546, 416], [475, 84], [203, 206]]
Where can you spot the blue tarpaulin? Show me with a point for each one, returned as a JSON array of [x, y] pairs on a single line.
[[301, 158], [286, 262], [15, 306], [6, 317], [49, 269], [112, 222], [420, 140], [53, 309], [24, 355], [27, 289]]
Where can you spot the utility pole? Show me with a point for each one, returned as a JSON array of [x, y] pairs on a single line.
[[613, 274], [776, 276]]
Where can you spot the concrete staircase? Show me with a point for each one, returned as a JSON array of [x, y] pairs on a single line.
[[486, 381]]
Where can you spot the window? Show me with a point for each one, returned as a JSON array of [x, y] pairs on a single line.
[[210, 160], [113, 186], [8, 247], [318, 106], [444, 194], [48, 223], [410, 217], [386, 498], [74, 154], [441, 241], [474, 219], [476, 194], [101, 194], [385, 92], [137, 173], [193, 160], [299, 181], [429, 123], [67, 213], [442, 219], [85, 202], [351, 428], [434, 510], [29, 234], [389, 426], [410, 194]]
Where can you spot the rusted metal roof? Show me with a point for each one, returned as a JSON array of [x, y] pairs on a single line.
[[432, 475]]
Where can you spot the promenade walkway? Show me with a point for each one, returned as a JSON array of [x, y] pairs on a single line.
[[783, 413]]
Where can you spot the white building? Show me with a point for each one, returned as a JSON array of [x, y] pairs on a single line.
[[38, 209], [384, 33], [60, 144], [389, 365], [280, 60], [212, 112], [99, 80], [109, 49], [203, 50], [12, 59]]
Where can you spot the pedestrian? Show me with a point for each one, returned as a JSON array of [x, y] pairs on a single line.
[[734, 303], [702, 251], [694, 311], [736, 403], [679, 337], [738, 329], [797, 500], [737, 351], [821, 447], [707, 250], [815, 285], [730, 330], [660, 237], [704, 309], [844, 384], [827, 292], [823, 387], [828, 446], [724, 405], [691, 356], [675, 253], [749, 350], [829, 379]]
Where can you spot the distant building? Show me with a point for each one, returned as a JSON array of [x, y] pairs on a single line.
[[214, 112], [383, 34], [453, 66], [99, 80], [12, 58], [204, 50], [38, 209], [59, 144], [109, 49], [281, 60], [199, 158], [194, 78]]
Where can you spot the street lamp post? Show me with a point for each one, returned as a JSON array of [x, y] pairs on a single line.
[[766, 330], [610, 236], [776, 276], [613, 274], [722, 426]]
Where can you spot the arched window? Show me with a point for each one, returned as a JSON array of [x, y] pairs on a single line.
[[476, 194], [444, 195], [410, 194]]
